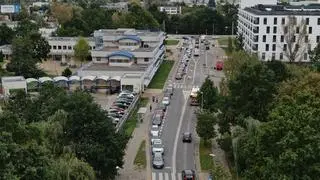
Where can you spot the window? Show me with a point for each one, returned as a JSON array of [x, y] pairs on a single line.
[[309, 47], [273, 47], [268, 29], [273, 56], [306, 39], [310, 30], [264, 38], [59, 47], [265, 21], [274, 39], [267, 47], [296, 47], [285, 30], [307, 21], [318, 21], [275, 29], [283, 21], [275, 20], [64, 47], [146, 59], [305, 56], [281, 56], [263, 56], [98, 59], [318, 40], [284, 47], [294, 39], [281, 38], [54, 47], [297, 29], [69, 47]]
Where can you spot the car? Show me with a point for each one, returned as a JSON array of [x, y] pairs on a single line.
[[154, 131], [166, 101], [122, 94], [188, 174], [115, 115], [120, 105], [157, 161], [116, 111], [128, 91], [157, 146], [187, 137], [123, 101], [159, 112], [114, 120], [157, 120], [219, 65], [117, 108], [162, 107], [169, 89], [178, 76]]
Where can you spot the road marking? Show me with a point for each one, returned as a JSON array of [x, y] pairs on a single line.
[[167, 167], [176, 142], [166, 176], [186, 94], [154, 176], [160, 176], [179, 176]]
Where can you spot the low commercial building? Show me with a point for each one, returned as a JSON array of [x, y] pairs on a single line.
[[119, 6], [171, 10], [12, 84]]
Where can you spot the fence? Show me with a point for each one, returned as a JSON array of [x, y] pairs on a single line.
[[127, 114]]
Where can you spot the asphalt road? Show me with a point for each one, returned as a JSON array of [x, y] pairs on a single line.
[[181, 118]]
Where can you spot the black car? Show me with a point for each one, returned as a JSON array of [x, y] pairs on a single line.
[[163, 107], [188, 174], [187, 137]]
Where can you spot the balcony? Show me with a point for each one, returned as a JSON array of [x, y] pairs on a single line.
[[256, 21], [256, 29], [256, 38], [255, 47]]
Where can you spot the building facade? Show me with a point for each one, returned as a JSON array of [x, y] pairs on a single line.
[[265, 30], [171, 10]]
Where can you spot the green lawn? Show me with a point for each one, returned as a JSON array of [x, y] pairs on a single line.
[[171, 42], [206, 161], [223, 41], [161, 75], [131, 122], [141, 160]]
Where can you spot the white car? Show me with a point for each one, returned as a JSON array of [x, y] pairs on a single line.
[[126, 94], [154, 131], [166, 101], [114, 119], [157, 146]]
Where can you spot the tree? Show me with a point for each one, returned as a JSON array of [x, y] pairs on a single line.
[[1, 57], [286, 146], [81, 50], [205, 126], [238, 43], [40, 46], [209, 93], [6, 34], [314, 56], [230, 46], [62, 11], [294, 37], [66, 72], [26, 27]]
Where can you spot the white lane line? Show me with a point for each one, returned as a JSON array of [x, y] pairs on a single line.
[[160, 176], [194, 72], [154, 176], [179, 177], [166, 176], [176, 141]]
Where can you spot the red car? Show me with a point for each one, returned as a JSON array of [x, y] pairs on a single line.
[[219, 65]]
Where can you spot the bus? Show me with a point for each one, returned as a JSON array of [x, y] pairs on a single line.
[[193, 96], [196, 52]]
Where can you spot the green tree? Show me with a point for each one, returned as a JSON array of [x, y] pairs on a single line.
[[314, 56], [6, 34], [1, 57], [205, 126], [238, 43], [40, 47], [230, 46], [81, 50], [26, 27], [209, 93], [66, 72]]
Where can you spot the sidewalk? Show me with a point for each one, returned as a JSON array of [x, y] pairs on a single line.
[[129, 171]]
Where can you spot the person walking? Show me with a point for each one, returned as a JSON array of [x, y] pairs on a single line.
[[156, 100], [153, 98], [150, 107]]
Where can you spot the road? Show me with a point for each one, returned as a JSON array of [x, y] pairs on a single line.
[[181, 118]]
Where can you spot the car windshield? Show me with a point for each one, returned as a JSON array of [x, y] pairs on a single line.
[[166, 99], [157, 141], [157, 157]]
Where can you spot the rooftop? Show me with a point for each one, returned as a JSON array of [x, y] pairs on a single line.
[[149, 49], [311, 9], [106, 67], [68, 38], [12, 79], [127, 31]]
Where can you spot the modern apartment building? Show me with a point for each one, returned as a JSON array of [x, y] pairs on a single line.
[[265, 30]]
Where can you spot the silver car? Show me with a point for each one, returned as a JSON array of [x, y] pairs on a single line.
[[157, 161], [157, 146]]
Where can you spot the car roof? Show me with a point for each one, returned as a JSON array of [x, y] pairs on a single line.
[[188, 171], [187, 133]]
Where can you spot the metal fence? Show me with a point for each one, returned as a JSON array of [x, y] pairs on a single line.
[[124, 118]]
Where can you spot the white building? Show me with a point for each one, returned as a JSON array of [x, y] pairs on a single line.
[[134, 55], [263, 29], [251, 3], [171, 10], [119, 6], [13, 83]]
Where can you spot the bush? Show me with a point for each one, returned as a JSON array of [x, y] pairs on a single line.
[[67, 72]]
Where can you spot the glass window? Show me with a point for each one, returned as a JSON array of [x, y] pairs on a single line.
[[284, 47], [273, 47], [146, 59], [273, 56], [310, 30], [305, 56], [98, 58], [283, 21], [274, 29], [265, 21], [264, 38], [64, 47], [268, 29], [281, 56], [307, 21], [275, 20], [54, 47], [281, 38], [318, 21], [306, 39], [297, 30], [59, 47], [263, 56], [69, 47], [274, 39], [318, 39], [267, 47]]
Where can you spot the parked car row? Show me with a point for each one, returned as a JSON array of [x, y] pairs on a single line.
[[120, 106], [182, 69]]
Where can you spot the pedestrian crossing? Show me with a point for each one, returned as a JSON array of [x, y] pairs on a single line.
[[165, 176], [182, 86]]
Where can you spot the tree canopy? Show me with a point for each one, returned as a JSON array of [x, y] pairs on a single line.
[[78, 140]]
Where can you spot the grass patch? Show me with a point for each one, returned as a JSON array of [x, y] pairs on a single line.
[[132, 120], [141, 160], [223, 41], [171, 42], [206, 161], [161, 75]]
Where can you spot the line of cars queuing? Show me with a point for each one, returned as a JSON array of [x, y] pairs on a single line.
[[184, 60], [119, 107]]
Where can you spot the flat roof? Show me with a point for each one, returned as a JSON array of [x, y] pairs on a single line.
[[68, 38], [106, 67], [127, 31], [12, 79], [274, 10], [140, 49]]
